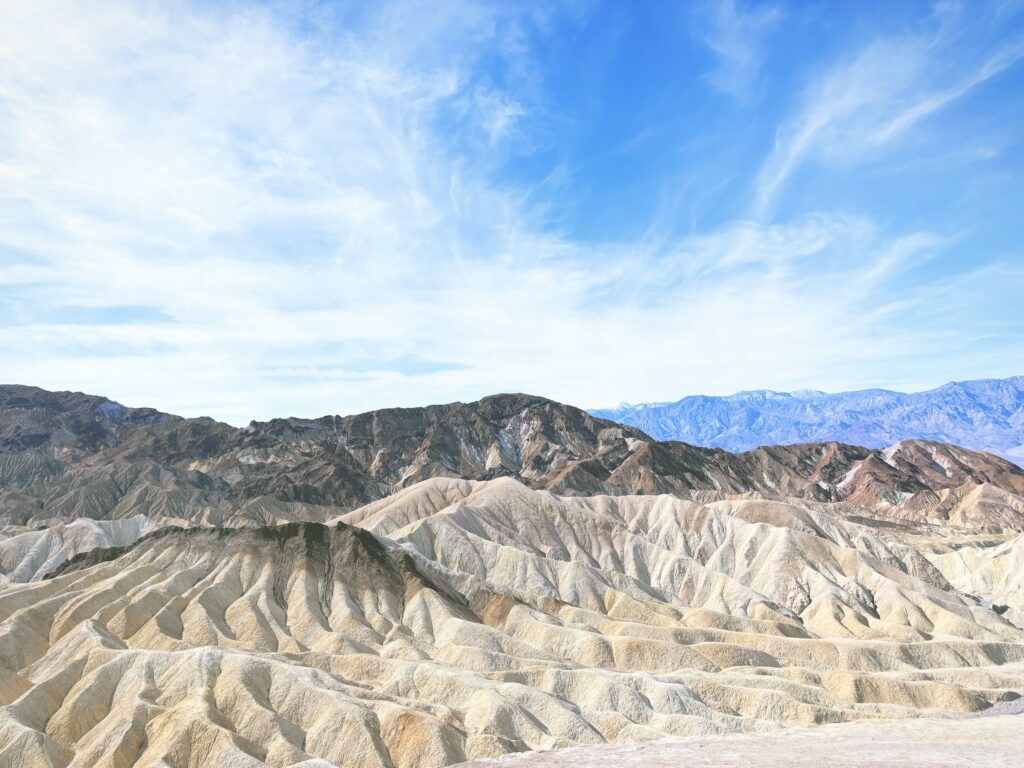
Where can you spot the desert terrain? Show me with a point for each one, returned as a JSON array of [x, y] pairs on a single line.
[[512, 576]]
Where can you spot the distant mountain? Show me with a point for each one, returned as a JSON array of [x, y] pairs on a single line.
[[984, 415], [69, 423], [415, 587], [65, 456]]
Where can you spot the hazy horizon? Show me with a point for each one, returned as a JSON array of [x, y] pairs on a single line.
[[594, 409]]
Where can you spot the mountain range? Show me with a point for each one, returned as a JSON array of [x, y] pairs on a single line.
[[985, 415], [67, 456], [414, 588]]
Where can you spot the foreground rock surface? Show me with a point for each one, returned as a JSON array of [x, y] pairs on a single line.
[[461, 620], [994, 743]]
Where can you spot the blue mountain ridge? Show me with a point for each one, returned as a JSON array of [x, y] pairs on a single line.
[[986, 415]]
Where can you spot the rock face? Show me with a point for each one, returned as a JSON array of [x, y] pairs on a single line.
[[65, 422], [197, 471], [420, 587], [993, 568], [467, 619], [986, 415], [29, 555]]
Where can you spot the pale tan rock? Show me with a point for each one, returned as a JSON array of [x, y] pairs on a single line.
[[471, 619]]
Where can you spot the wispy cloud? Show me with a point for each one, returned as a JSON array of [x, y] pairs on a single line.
[[737, 36], [887, 88], [257, 189], [208, 210]]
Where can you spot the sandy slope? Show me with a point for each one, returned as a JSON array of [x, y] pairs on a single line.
[[787, 562], [28, 555], [464, 620], [993, 568]]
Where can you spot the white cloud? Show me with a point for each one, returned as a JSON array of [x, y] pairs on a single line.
[[203, 211], [737, 36], [889, 87]]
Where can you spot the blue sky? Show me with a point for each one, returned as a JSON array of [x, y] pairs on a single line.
[[254, 209]]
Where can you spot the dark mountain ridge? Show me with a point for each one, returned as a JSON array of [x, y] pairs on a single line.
[[33, 418], [68, 455]]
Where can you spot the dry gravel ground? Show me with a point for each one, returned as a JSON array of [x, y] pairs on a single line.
[[991, 742]]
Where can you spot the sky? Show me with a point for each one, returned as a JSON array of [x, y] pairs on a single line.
[[247, 210]]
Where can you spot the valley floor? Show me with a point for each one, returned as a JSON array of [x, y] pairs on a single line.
[[993, 742]]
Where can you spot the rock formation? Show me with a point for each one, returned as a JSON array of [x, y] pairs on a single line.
[[428, 586]]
